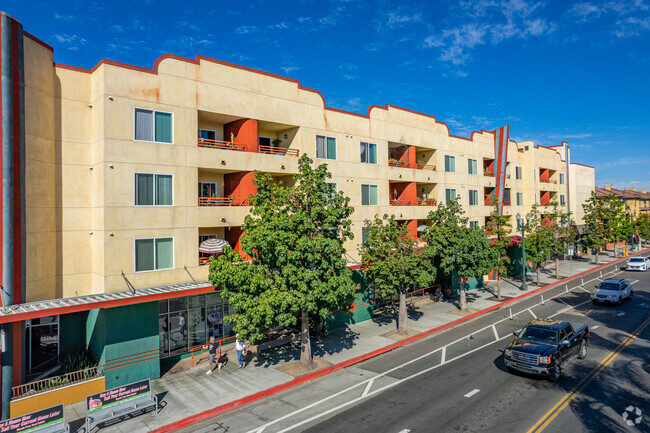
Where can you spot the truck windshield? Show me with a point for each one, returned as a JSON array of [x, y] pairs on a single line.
[[539, 335]]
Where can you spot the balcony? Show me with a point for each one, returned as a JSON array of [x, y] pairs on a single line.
[[425, 167], [222, 201], [241, 147], [397, 163], [427, 202], [488, 173], [402, 203]]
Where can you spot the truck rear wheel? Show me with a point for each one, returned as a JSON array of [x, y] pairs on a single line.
[[582, 354]]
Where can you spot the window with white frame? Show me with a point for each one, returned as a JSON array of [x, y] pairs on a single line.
[[450, 164], [154, 254], [562, 200], [369, 195], [473, 225], [561, 178], [154, 189], [369, 153], [518, 173], [473, 197], [325, 147], [152, 125], [450, 195], [472, 166], [520, 199]]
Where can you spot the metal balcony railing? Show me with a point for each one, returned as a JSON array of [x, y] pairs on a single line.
[[426, 167], [55, 382], [222, 201], [427, 202], [401, 203], [227, 145]]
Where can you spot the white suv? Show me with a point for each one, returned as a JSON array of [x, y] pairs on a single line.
[[612, 291], [638, 264]]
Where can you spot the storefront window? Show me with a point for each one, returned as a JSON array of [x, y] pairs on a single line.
[[42, 344], [189, 322]]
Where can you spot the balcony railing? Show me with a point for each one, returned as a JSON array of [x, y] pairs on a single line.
[[227, 145], [426, 167], [427, 202], [506, 203], [222, 201], [204, 261], [401, 203], [272, 150], [397, 163], [488, 173], [547, 181], [55, 382]]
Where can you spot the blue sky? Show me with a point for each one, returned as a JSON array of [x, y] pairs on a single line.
[[554, 70]]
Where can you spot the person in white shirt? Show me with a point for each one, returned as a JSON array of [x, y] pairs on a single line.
[[240, 347]]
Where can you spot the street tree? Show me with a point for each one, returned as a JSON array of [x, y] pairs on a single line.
[[605, 222], [538, 248], [642, 226], [497, 228], [458, 247], [393, 260], [561, 230], [294, 235]]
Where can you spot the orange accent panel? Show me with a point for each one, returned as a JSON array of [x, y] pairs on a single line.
[[544, 198], [245, 132], [544, 175], [405, 191], [412, 228], [240, 185]]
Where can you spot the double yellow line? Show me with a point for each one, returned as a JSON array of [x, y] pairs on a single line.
[[570, 396]]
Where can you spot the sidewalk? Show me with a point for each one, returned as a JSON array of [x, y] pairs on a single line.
[[191, 392]]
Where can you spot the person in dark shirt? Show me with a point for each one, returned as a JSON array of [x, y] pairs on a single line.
[[212, 350]]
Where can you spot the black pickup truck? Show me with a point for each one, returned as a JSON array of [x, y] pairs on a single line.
[[545, 347]]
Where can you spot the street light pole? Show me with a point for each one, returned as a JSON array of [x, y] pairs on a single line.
[[522, 227]]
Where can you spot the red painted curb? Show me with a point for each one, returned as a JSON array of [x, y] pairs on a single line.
[[310, 376]]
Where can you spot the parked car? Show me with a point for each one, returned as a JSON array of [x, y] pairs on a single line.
[[638, 264], [545, 347], [612, 292]]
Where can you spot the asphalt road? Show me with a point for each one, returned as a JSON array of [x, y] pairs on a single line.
[[456, 381]]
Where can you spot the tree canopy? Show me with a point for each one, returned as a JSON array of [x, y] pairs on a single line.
[[394, 261], [295, 236], [497, 228], [605, 220]]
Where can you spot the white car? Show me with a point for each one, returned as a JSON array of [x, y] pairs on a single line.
[[612, 292], [638, 264]]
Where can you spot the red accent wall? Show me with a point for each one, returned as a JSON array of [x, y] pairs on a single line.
[[245, 131], [489, 166], [546, 221], [544, 198], [405, 191], [413, 228], [405, 154], [240, 185], [544, 174]]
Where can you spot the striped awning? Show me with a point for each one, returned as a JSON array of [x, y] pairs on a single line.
[[423, 228], [212, 246]]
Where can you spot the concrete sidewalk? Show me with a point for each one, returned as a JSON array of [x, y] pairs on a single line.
[[191, 392]]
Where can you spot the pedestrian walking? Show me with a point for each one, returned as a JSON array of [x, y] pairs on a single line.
[[240, 347], [212, 350]]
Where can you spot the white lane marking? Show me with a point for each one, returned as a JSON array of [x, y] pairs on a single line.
[[496, 335], [471, 393], [365, 391], [443, 361], [621, 314], [405, 431], [261, 429], [531, 312], [634, 282], [595, 327], [642, 304]]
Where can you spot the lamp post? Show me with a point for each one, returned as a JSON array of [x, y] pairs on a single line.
[[521, 226]]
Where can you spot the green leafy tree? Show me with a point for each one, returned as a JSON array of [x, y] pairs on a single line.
[[538, 248], [561, 230], [458, 247], [295, 235], [392, 258], [642, 226], [497, 228], [605, 221]]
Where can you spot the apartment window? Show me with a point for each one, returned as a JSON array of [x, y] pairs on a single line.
[[520, 199], [562, 200], [365, 232], [154, 254], [207, 134], [325, 147], [450, 195], [151, 125], [450, 164], [518, 172], [561, 178], [41, 345], [207, 189], [472, 166], [369, 153], [369, 195], [473, 197], [333, 189], [154, 189], [473, 225]]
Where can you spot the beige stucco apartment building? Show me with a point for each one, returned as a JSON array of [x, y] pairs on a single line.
[[126, 170]]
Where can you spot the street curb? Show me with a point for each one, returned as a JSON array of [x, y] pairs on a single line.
[[311, 376]]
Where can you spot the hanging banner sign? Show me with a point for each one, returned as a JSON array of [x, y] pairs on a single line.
[[117, 396], [50, 419]]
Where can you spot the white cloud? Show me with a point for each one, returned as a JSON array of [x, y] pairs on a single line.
[[585, 11], [399, 18], [288, 69], [242, 30]]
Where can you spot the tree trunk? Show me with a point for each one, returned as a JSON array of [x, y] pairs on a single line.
[[305, 343], [539, 272], [402, 323], [499, 286], [463, 298], [596, 255], [615, 249], [557, 267]]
